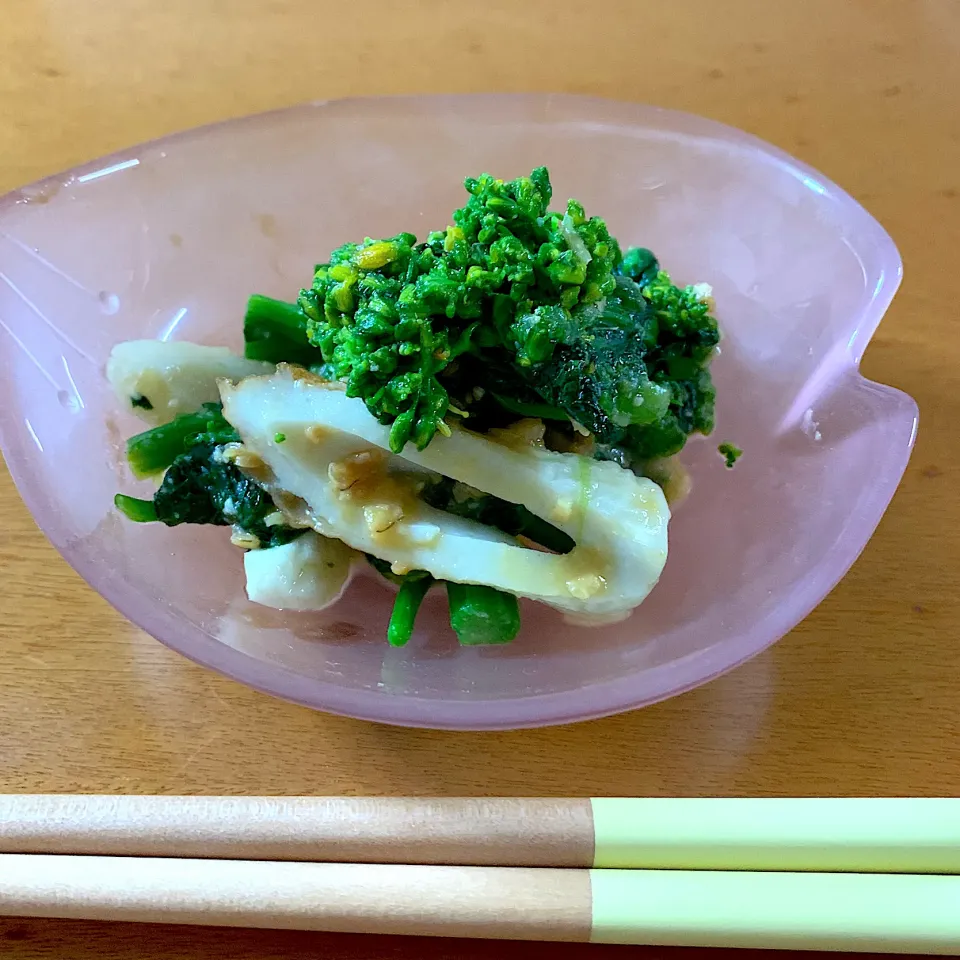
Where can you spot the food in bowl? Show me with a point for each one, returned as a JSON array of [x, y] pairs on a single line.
[[497, 408]]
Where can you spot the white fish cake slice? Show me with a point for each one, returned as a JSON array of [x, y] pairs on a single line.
[[327, 450]]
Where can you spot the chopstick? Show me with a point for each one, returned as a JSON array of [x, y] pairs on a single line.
[[892, 913], [823, 835], [868, 875]]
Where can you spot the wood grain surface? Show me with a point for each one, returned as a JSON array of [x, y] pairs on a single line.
[[477, 831], [860, 699]]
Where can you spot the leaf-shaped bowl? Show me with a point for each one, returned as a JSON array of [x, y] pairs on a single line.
[[168, 239]]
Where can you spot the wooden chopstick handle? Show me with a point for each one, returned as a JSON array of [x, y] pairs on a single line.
[[486, 902], [495, 832]]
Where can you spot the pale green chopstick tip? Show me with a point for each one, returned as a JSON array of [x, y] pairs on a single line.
[[890, 913], [883, 835]]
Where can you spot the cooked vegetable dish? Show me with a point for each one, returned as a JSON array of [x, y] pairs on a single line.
[[496, 408]]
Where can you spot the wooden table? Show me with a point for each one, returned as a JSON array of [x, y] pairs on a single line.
[[860, 699]]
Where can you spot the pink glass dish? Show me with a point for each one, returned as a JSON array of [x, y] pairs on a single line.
[[169, 238]]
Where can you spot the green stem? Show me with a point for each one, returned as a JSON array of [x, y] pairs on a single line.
[[154, 450], [481, 614], [140, 511], [543, 411], [511, 518], [405, 608], [276, 331], [546, 534]]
